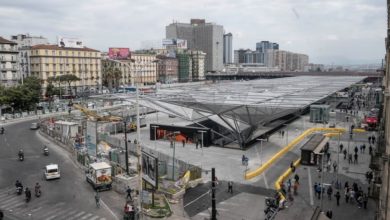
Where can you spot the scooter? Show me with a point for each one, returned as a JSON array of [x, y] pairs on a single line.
[[46, 151], [19, 190], [21, 157]]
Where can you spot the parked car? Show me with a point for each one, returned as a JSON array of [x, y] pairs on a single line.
[[34, 126]]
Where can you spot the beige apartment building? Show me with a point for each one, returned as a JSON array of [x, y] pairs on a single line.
[[140, 66], [285, 60], [52, 60], [8, 63]]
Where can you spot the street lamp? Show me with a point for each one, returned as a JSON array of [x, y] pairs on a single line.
[[173, 157], [201, 146], [155, 135], [261, 148]]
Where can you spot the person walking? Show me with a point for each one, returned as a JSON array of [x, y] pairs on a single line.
[[350, 158], [184, 142], [370, 149], [318, 191], [356, 149], [347, 194], [295, 188], [97, 199], [230, 187], [329, 214], [369, 139], [296, 177], [341, 147], [337, 195], [128, 191], [345, 154], [288, 185], [373, 139], [329, 191], [364, 148], [365, 200], [356, 158], [334, 167]]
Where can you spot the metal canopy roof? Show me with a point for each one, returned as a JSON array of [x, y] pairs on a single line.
[[243, 105]]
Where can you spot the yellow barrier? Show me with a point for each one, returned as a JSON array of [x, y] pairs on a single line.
[[281, 179], [261, 169]]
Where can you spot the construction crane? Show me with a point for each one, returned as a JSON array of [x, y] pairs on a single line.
[[92, 115]]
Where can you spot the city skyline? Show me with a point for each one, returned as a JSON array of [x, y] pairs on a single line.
[[331, 32]]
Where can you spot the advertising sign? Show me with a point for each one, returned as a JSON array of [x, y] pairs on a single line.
[[150, 169], [182, 44], [91, 138], [168, 42], [118, 53], [69, 42]]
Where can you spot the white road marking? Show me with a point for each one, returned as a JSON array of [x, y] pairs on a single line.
[[86, 216], [265, 181], [111, 212], [77, 215], [197, 198], [310, 187]]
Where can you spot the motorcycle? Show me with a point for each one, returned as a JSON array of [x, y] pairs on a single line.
[[19, 190], [21, 157], [46, 151]]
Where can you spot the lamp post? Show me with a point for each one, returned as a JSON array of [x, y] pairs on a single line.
[[201, 146], [261, 148], [155, 135], [127, 154]]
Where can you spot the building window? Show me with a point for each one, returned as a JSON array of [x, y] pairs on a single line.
[[53, 52], [46, 52]]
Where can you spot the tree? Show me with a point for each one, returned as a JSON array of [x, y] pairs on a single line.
[[69, 78], [111, 77]]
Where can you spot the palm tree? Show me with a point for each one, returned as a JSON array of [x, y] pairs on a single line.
[[111, 77]]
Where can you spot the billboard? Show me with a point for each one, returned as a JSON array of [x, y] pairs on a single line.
[[69, 42], [168, 42], [179, 43], [116, 53], [150, 169], [182, 44]]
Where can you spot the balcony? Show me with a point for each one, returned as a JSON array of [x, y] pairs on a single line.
[[13, 69], [11, 50], [7, 59]]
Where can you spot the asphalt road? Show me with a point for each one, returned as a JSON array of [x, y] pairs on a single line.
[[69, 197]]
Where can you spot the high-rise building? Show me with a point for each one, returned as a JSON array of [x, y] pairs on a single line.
[[185, 67], [263, 46], [52, 60], [207, 37], [24, 43], [227, 48], [239, 56], [8, 62], [285, 60]]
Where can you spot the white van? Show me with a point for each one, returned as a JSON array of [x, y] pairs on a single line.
[[52, 172]]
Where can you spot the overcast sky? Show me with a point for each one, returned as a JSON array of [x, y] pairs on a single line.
[[329, 31]]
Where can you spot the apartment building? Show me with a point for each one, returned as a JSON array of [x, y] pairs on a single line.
[[8, 62]]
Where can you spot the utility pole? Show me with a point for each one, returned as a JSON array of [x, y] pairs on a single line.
[[127, 154], [213, 202]]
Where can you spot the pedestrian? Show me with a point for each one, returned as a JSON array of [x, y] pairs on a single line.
[[364, 148], [295, 188], [365, 200], [345, 154], [361, 149], [282, 133], [346, 184], [184, 142], [337, 195], [373, 139], [329, 191], [292, 167], [334, 166], [360, 201], [356, 149], [328, 156], [341, 147], [356, 158], [288, 185], [369, 139], [351, 195], [296, 177], [318, 191], [97, 199], [315, 188], [370, 149], [347, 194], [128, 191], [350, 158], [329, 214], [230, 187]]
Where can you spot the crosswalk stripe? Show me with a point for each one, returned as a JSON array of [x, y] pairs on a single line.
[[60, 213], [86, 216], [33, 207], [53, 209], [13, 205], [67, 214], [8, 199], [94, 217], [103, 219], [8, 191], [77, 215], [29, 211]]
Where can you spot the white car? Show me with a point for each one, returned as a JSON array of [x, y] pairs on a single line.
[[52, 172]]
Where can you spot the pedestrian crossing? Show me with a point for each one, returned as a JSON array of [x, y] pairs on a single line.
[[39, 208]]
